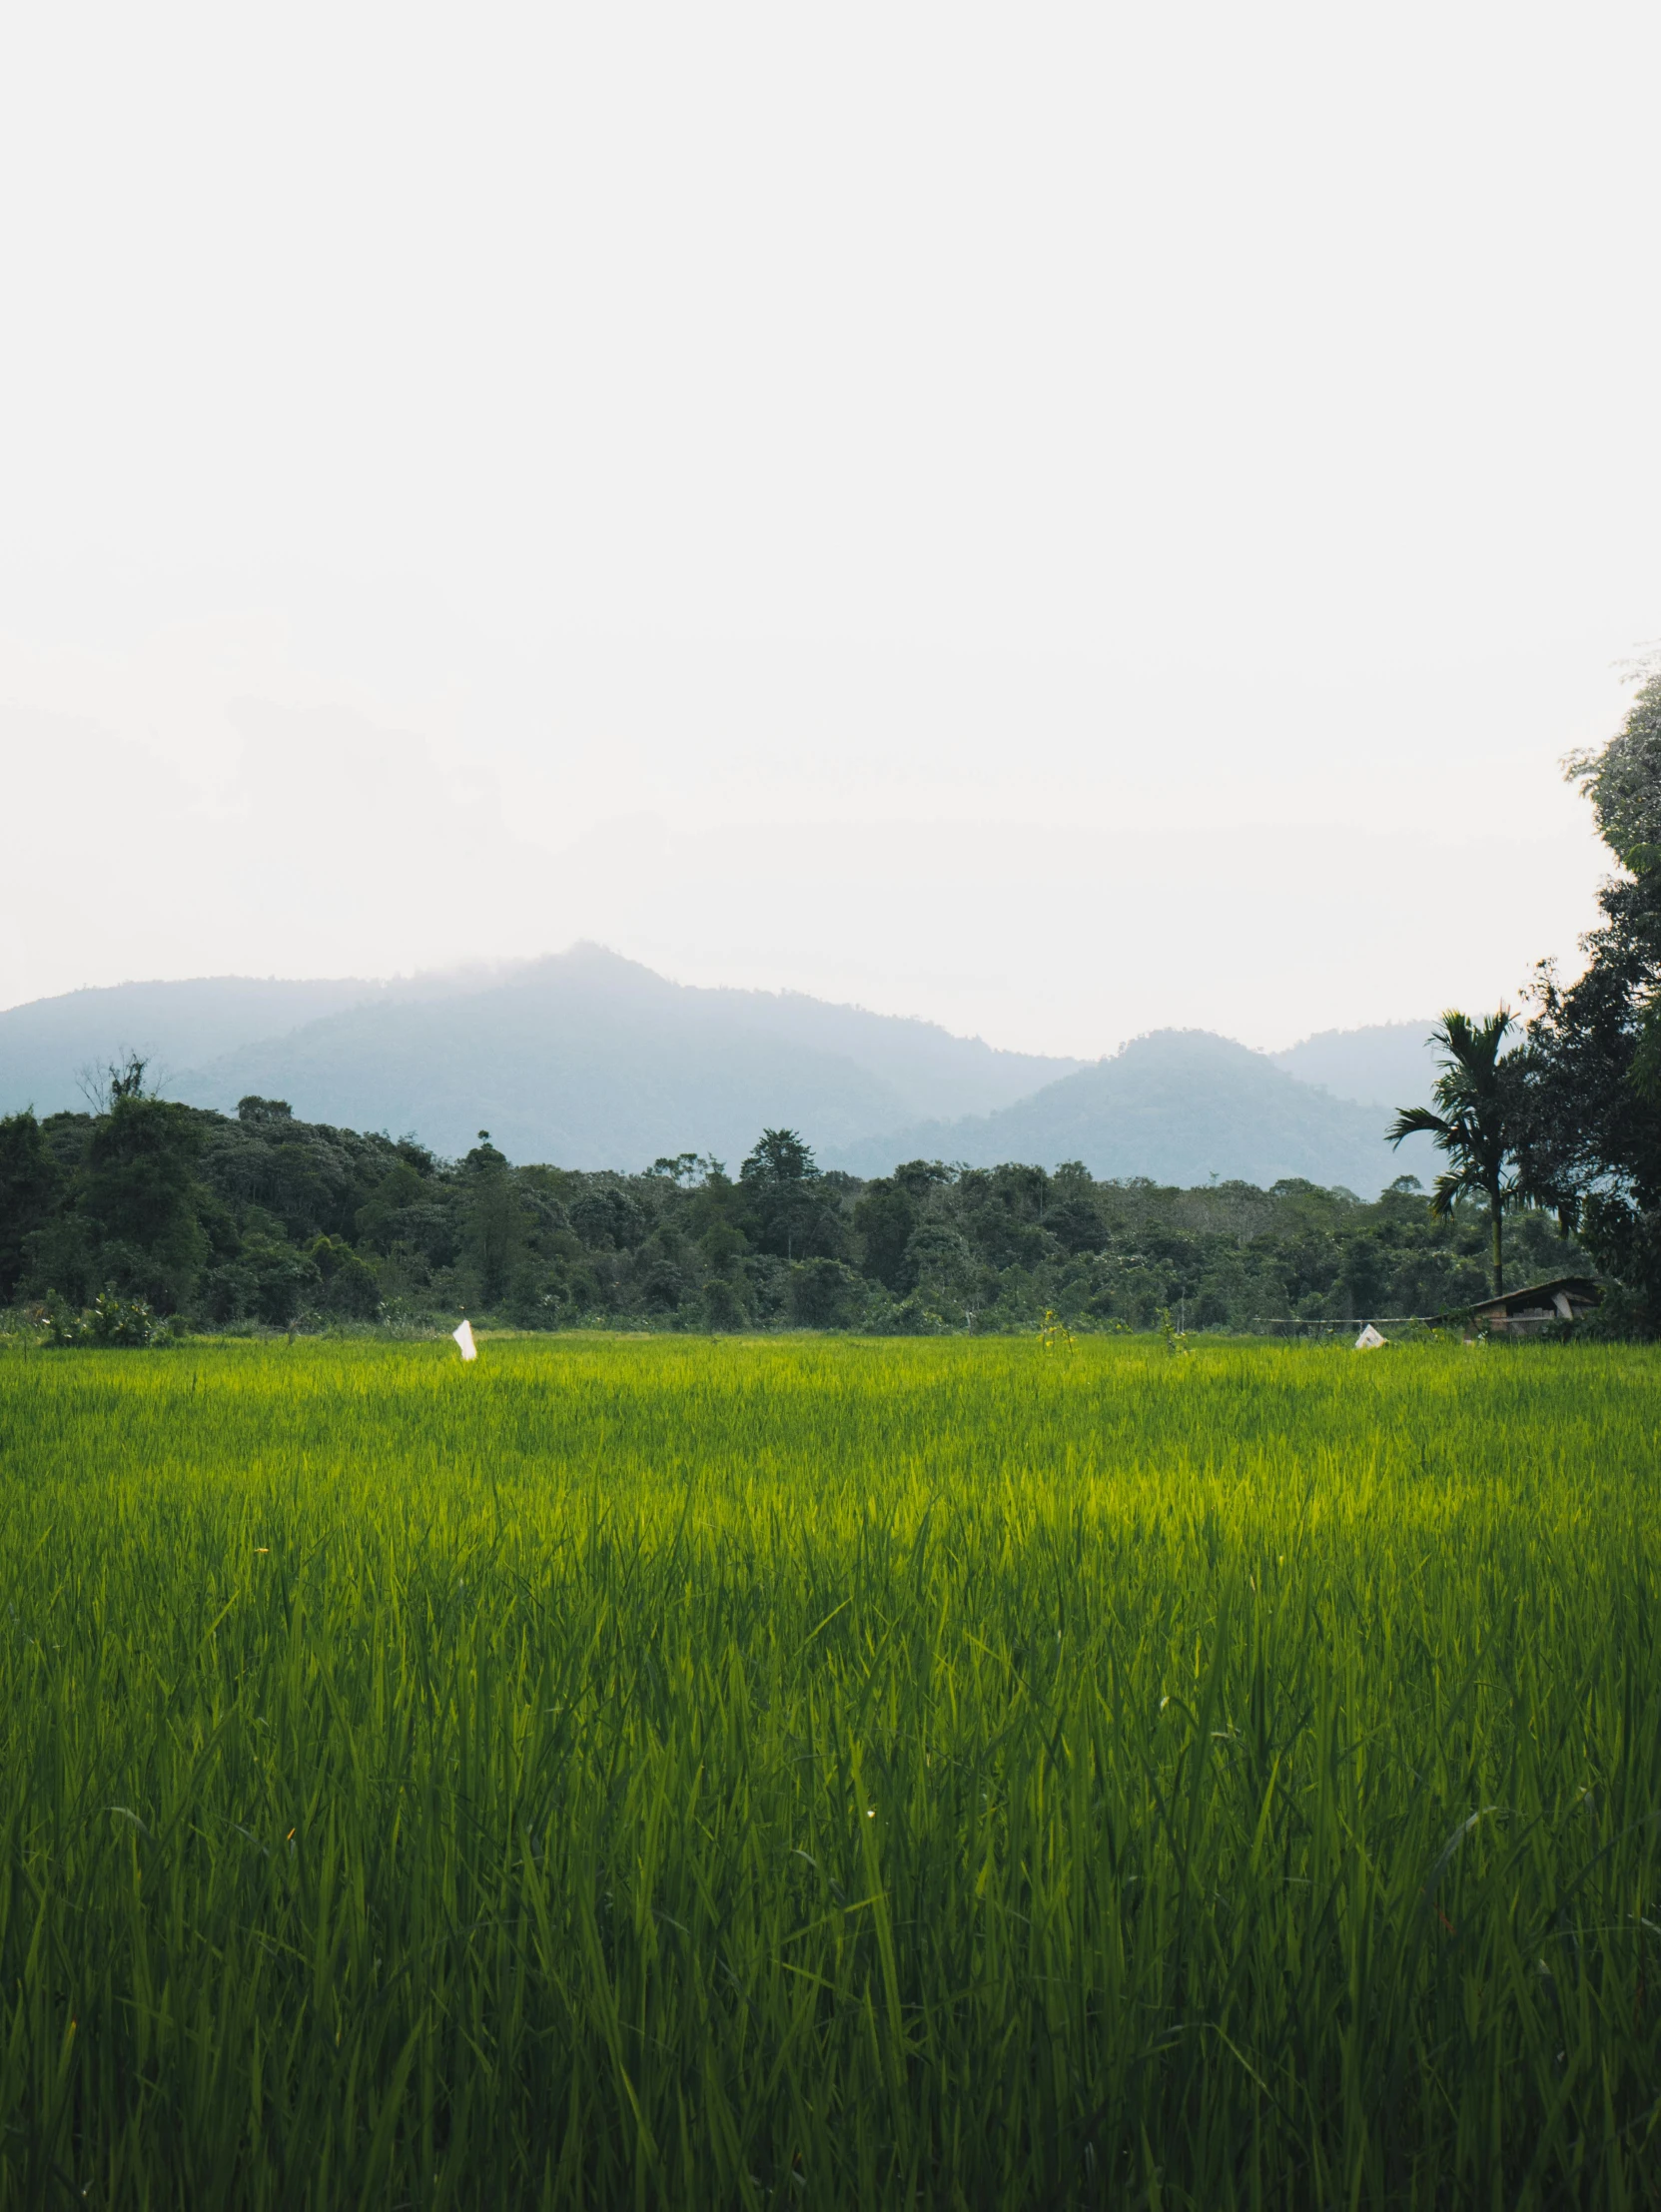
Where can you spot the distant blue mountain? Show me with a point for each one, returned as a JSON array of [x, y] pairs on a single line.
[[1391, 1065], [584, 1059], [591, 1060], [1181, 1106], [46, 1045]]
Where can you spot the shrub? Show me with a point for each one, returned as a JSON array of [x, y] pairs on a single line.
[[111, 1320]]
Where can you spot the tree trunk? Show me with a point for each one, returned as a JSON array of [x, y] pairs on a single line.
[[1498, 1217]]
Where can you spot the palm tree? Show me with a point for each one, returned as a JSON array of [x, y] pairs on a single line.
[[1476, 1125]]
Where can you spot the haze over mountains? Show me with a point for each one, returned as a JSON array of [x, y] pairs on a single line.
[[588, 1059], [1181, 1105]]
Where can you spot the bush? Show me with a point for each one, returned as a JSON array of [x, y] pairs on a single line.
[[119, 1324], [912, 1317], [1625, 1316]]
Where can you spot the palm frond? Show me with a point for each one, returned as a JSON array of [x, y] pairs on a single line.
[[1415, 1120], [1471, 1063], [1450, 1186]]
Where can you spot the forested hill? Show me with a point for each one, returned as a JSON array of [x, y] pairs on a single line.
[[1181, 1106], [583, 1058], [47, 1045], [1385, 1065], [594, 1062]]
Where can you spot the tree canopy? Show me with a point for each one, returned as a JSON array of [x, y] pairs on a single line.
[[261, 1219]]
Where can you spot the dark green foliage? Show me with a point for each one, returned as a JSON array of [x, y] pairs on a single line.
[[29, 1180], [606, 1217], [493, 1233], [266, 1221], [313, 1179], [791, 1212], [724, 1308], [1623, 781], [1476, 1123], [1592, 1142], [138, 1190], [348, 1284], [268, 1280], [884, 1219], [827, 1295], [63, 1258]]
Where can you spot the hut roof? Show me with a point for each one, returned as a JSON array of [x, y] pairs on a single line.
[[1582, 1289]]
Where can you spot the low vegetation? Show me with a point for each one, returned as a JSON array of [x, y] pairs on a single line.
[[823, 1772]]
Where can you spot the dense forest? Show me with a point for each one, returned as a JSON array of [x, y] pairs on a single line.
[[1551, 1127], [262, 1220]]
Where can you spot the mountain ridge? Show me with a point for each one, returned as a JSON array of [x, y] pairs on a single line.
[[591, 1060], [1181, 1106], [1389, 1064], [528, 1049]]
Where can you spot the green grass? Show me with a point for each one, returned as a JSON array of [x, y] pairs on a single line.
[[684, 1773]]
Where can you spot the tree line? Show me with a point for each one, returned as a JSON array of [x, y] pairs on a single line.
[[262, 1220]]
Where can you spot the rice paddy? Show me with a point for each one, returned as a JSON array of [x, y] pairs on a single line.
[[794, 1772]]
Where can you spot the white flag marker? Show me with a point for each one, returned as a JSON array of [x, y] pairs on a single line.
[[1369, 1341], [463, 1337]]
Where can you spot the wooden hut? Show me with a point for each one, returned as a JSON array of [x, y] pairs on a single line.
[[1537, 1305]]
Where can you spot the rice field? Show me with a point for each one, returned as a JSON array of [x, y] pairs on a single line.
[[801, 1772]]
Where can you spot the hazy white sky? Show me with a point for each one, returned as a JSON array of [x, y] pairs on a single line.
[[1062, 519]]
